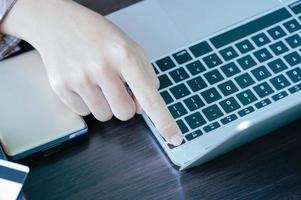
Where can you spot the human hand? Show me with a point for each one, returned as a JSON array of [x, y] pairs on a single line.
[[88, 60]]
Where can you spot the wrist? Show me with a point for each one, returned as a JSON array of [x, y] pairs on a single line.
[[30, 20]]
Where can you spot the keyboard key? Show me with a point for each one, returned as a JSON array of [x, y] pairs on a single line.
[[167, 97], [164, 81], [294, 74], [229, 105], [182, 126], [197, 84], [246, 111], [212, 112], [228, 88], [263, 55], [246, 97], [228, 53], [212, 60], [179, 91], [245, 46], [178, 74], [263, 103], [195, 120], [250, 27], [165, 64], [261, 73], [229, 119], [277, 66], [295, 88], [195, 67], [279, 82], [211, 95], [279, 48], [213, 76], [182, 57], [295, 7], [211, 127], [276, 32], [193, 135], [279, 96], [294, 41], [194, 102], [200, 49], [246, 62], [177, 110], [263, 89], [230, 69], [292, 25], [244, 80], [293, 58], [261, 39]]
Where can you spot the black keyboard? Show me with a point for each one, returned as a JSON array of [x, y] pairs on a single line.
[[218, 80]]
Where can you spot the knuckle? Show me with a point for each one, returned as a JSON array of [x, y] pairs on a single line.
[[77, 78], [122, 50], [56, 83], [99, 74], [101, 71]]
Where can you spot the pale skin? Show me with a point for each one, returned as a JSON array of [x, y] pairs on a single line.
[[88, 59]]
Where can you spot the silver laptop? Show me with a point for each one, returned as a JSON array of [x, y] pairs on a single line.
[[229, 70]]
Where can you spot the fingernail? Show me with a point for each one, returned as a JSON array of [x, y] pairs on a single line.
[[176, 139]]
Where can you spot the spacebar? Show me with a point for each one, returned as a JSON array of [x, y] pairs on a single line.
[[250, 28]]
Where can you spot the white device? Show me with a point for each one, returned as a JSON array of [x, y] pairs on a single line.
[[33, 120], [12, 178], [189, 42]]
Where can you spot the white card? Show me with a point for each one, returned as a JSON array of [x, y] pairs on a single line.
[[12, 178]]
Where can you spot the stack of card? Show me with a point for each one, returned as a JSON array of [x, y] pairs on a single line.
[[12, 178]]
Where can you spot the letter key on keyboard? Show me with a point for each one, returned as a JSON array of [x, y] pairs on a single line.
[[179, 91], [195, 120]]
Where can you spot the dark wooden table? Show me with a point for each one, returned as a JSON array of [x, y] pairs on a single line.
[[122, 161]]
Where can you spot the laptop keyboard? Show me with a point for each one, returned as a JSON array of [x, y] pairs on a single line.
[[228, 76]]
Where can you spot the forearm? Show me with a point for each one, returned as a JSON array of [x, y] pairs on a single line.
[[30, 19], [36, 20], [18, 20]]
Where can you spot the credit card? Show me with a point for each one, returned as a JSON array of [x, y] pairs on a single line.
[[2, 157], [12, 178]]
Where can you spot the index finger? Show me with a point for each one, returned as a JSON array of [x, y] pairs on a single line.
[[152, 103]]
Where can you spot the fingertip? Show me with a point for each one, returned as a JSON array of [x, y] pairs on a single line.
[[82, 111], [138, 109], [126, 116], [171, 132], [176, 139], [103, 117]]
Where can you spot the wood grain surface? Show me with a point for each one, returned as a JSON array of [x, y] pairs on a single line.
[[121, 160]]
